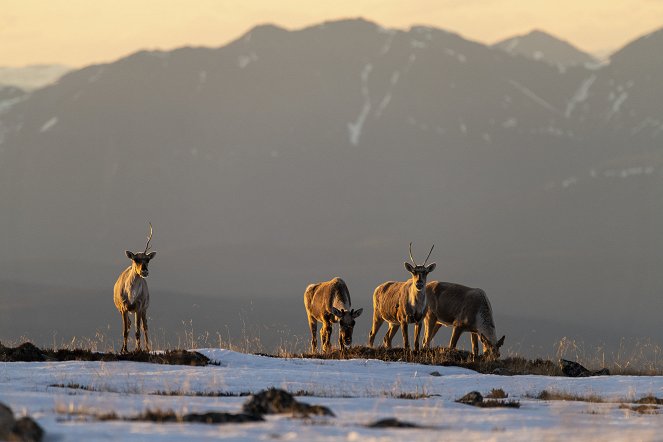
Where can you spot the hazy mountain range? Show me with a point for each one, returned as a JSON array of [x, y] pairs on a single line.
[[287, 157], [540, 45], [31, 77]]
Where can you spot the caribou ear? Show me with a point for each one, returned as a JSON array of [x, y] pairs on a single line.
[[129, 254], [500, 342], [338, 313], [430, 268], [356, 313], [408, 267], [151, 255]]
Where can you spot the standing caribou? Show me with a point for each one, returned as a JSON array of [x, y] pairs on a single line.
[[329, 302], [401, 303], [464, 309], [131, 294]]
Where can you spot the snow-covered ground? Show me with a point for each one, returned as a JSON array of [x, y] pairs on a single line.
[[357, 391]]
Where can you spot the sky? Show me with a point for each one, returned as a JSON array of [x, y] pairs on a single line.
[[83, 32]]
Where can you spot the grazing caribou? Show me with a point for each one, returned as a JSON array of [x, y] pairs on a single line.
[[329, 302], [131, 294], [464, 309], [401, 303]]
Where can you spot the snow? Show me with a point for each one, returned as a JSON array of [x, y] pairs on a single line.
[[358, 391], [355, 128], [581, 95], [244, 60], [527, 92], [511, 122], [617, 104], [511, 46], [5, 105], [49, 124]]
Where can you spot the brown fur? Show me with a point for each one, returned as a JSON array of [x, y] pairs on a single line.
[[400, 304], [464, 309], [329, 302], [131, 294]]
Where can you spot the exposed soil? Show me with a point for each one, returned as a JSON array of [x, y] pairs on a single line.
[[27, 352], [475, 399], [446, 357], [275, 401]]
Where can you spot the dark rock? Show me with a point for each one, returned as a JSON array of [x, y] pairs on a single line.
[[435, 373], [26, 430], [391, 422], [6, 421], [222, 418], [650, 400], [471, 398], [275, 401], [23, 430], [575, 370], [26, 352]]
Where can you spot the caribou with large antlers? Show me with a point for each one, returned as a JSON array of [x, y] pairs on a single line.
[[329, 302], [131, 294], [401, 303]]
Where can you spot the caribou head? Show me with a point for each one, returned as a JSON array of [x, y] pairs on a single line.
[[346, 322], [140, 260], [419, 272], [491, 350]]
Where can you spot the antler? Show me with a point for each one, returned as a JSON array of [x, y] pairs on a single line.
[[411, 258], [149, 239], [431, 251]]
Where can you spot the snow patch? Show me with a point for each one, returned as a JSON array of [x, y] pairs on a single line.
[[355, 128], [94, 77], [512, 44], [6, 104], [617, 104], [244, 60], [528, 93], [49, 124], [511, 122], [581, 95], [568, 182], [387, 44]]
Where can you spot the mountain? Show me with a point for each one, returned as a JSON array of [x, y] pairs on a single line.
[[31, 77], [539, 45], [287, 157]]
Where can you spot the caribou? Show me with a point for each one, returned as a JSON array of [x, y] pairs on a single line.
[[464, 309], [329, 302], [131, 294], [401, 303]]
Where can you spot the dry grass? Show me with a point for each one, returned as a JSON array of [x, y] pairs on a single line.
[[547, 395], [640, 409], [634, 356], [497, 393], [442, 356], [28, 352]]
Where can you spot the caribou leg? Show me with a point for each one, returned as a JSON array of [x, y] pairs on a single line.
[[377, 323], [406, 338], [455, 335], [313, 325], [393, 328], [138, 318], [143, 320], [475, 344], [126, 323]]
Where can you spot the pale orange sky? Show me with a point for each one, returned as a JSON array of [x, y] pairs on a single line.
[[81, 32]]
